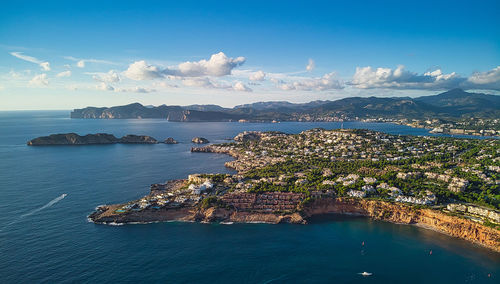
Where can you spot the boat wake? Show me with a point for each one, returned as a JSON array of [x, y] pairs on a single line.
[[52, 202]]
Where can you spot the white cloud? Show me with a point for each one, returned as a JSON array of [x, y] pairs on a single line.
[[327, 82], [140, 70], [485, 80], [110, 77], [399, 78], [39, 80], [105, 87], [45, 65], [218, 65], [64, 74], [81, 62], [239, 86], [311, 65], [205, 82], [258, 76]]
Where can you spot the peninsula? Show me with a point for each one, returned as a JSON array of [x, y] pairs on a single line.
[[445, 184]]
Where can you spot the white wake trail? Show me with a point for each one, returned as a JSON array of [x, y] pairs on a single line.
[[52, 202]]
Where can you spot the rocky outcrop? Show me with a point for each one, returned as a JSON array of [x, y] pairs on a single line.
[[287, 208], [248, 136], [170, 140], [137, 139], [74, 139], [89, 139], [224, 215], [399, 213], [200, 140]]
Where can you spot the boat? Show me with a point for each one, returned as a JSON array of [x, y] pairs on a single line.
[[366, 273]]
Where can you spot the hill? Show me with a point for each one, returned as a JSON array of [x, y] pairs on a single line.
[[452, 104]]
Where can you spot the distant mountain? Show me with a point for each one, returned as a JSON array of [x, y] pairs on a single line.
[[136, 110], [458, 101], [451, 104], [373, 106], [274, 105], [205, 108]]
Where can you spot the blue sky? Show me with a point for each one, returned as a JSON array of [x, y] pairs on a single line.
[[57, 55]]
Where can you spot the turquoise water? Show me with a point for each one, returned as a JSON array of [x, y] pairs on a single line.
[[45, 236]]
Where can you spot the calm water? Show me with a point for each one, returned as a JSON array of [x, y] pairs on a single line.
[[46, 238]]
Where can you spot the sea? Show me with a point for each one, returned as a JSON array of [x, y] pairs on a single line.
[[46, 194]]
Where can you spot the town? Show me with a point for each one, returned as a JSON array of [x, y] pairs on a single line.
[[278, 172]]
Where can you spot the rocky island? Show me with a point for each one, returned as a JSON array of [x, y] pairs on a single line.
[[170, 140], [90, 139], [448, 185], [200, 140]]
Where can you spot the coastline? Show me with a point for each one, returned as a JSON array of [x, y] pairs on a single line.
[[289, 207], [396, 213]]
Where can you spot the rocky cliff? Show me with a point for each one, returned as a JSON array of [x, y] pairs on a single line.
[[400, 213], [380, 210]]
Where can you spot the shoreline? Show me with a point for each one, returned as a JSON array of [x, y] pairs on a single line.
[[174, 201], [400, 214]]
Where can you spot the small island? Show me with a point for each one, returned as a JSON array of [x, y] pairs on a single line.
[[90, 139], [445, 184], [200, 140]]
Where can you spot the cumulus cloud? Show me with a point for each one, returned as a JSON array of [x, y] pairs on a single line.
[[43, 64], [484, 80], [239, 86], [64, 74], [110, 77], [326, 82], [140, 70], [310, 66], [218, 65], [399, 78], [257, 76], [39, 80]]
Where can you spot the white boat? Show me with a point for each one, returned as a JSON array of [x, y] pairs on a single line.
[[366, 273]]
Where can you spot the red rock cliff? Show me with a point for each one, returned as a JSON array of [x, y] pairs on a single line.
[[400, 213]]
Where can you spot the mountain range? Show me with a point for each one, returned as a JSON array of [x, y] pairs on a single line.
[[452, 104]]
